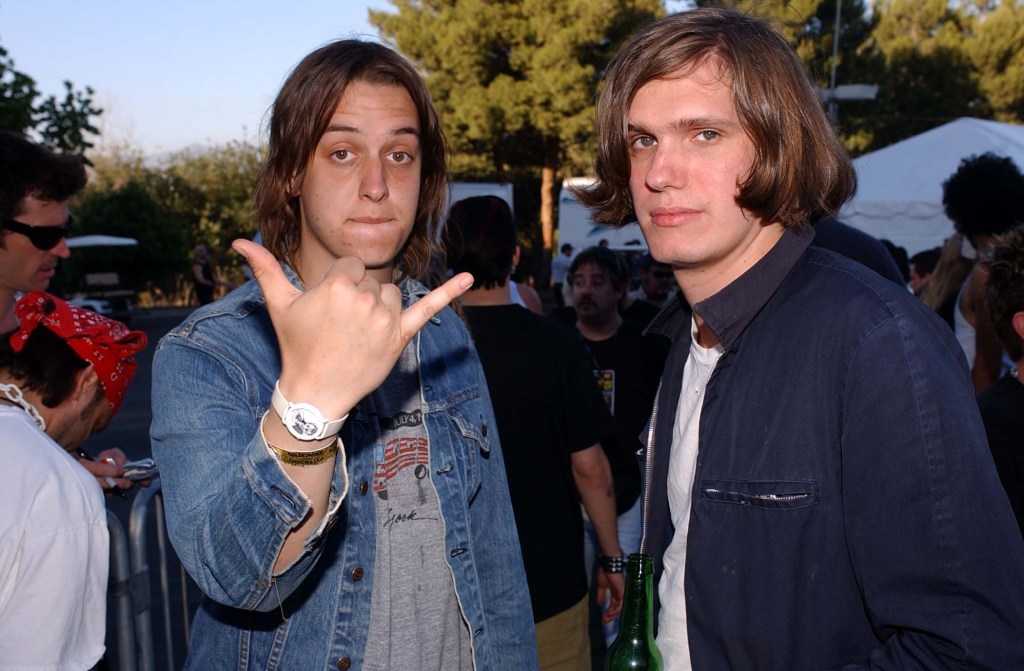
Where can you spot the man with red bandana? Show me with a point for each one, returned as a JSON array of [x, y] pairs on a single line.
[[63, 374]]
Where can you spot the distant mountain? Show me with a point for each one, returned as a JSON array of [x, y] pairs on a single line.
[[163, 157]]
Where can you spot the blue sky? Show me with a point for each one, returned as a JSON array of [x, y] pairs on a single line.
[[173, 74]]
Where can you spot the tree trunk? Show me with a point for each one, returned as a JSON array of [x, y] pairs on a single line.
[[547, 205]]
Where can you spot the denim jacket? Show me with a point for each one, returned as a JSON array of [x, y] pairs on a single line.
[[230, 504], [845, 509]]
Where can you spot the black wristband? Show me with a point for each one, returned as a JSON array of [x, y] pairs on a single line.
[[612, 564]]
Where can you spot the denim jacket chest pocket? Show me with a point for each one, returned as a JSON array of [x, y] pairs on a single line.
[[472, 431]]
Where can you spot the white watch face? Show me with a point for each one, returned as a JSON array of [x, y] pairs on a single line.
[[304, 421]]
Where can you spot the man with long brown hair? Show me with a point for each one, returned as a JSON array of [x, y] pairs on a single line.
[[820, 491], [332, 471]]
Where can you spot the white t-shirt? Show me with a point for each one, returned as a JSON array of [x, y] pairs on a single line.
[[54, 553], [560, 268], [672, 638]]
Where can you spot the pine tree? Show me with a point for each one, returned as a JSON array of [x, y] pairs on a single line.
[[515, 81]]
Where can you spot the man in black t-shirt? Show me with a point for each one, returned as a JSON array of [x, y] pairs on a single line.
[[627, 365], [551, 419], [657, 287]]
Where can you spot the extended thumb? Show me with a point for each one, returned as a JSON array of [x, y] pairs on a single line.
[[265, 267]]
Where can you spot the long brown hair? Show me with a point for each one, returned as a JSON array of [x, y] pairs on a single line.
[[301, 114], [950, 273], [800, 173]]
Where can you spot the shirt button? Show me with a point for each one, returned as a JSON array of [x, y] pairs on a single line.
[[363, 487], [344, 663], [357, 575]]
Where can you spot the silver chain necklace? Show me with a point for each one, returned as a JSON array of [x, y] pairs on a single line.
[[12, 393]]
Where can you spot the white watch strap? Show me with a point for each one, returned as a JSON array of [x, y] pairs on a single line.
[[283, 407]]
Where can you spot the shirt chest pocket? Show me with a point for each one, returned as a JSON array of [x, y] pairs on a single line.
[[765, 494], [472, 435]]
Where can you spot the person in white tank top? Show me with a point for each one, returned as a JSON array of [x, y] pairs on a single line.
[[984, 198]]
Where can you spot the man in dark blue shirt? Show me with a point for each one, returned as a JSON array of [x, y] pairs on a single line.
[[821, 492]]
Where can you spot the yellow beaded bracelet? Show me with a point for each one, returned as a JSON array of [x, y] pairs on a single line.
[[290, 458]]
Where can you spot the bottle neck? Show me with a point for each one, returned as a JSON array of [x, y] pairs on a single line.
[[638, 606]]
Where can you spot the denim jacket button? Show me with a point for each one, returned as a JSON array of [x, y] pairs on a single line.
[[344, 663], [357, 574], [363, 486]]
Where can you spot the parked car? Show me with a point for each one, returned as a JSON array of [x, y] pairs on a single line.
[[100, 305]]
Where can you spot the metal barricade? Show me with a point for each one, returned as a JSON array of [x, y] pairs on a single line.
[[138, 531], [119, 596], [130, 596]]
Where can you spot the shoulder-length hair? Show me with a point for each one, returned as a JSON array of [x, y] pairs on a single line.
[[800, 172], [300, 116]]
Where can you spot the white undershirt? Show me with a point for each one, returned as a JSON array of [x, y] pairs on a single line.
[[672, 637]]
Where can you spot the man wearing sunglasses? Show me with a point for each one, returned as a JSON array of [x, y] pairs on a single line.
[[35, 187]]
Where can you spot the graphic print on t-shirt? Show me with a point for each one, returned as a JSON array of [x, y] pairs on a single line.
[[606, 383], [414, 418], [398, 454]]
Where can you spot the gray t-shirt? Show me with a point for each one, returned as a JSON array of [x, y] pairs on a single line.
[[415, 619]]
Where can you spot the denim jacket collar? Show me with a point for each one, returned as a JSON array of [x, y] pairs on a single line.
[[730, 311]]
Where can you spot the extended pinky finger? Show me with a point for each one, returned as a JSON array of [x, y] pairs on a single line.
[[418, 314]]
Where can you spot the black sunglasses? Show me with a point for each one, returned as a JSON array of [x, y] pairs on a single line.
[[43, 237]]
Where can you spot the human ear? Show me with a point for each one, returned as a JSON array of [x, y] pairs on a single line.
[[1018, 324], [85, 383]]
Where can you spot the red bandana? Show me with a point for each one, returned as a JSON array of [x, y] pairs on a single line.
[[105, 343]]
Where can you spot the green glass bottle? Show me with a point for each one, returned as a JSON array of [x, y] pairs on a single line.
[[634, 649]]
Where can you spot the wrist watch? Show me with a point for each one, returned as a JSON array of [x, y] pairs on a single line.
[[304, 421]]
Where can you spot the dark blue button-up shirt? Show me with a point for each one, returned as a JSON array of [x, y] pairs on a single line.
[[845, 509]]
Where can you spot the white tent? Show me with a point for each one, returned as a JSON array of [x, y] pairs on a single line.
[[100, 241], [899, 193]]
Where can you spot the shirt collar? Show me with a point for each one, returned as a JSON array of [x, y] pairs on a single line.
[[730, 311]]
